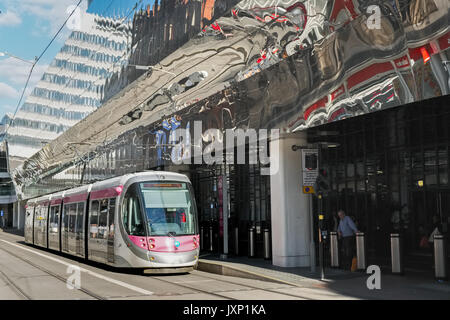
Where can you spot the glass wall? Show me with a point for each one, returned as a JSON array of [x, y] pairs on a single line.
[[390, 173]]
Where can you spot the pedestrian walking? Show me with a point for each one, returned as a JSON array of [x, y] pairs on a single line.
[[347, 231]]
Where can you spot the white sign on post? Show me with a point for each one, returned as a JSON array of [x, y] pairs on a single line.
[[310, 165]]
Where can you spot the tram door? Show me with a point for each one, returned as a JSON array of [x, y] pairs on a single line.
[[72, 238], [110, 249], [93, 244], [79, 230], [65, 229], [29, 224], [53, 230], [102, 240]]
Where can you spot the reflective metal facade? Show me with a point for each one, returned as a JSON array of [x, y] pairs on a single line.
[[267, 64]]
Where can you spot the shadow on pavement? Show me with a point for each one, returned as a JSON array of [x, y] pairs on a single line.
[[342, 284]]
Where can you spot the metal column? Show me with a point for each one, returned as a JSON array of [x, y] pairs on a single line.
[[334, 250], [440, 257], [396, 253], [251, 242], [267, 243], [202, 238], [224, 255], [360, 251], [236, 241], [312, 245], [211, 236]]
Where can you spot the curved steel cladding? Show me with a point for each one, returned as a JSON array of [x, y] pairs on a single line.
[[284, 64]]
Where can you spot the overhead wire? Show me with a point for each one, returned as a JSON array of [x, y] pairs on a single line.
[[36, 60]]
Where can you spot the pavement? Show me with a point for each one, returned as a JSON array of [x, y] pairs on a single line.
[[30, 273], [414, 284]]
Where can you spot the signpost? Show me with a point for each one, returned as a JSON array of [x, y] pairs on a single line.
[[310, 168]]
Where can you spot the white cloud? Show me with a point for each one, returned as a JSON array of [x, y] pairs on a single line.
[[53, 12], [6, 109], [16, 72], [9, 18], [8, 92]]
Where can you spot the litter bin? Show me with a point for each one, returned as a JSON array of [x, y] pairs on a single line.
[[396, 253], [440, 257], [360, 251], [334, 250]]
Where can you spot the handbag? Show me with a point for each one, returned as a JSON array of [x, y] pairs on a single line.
[[424, 242], [354, 264]]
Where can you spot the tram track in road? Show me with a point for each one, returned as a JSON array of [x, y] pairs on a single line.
[[228, 282], [253, 287], [172, 281], [191, 288], [90, 293], [17, 290], [57, 276]]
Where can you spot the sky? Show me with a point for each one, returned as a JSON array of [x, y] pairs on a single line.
[[26, 28]]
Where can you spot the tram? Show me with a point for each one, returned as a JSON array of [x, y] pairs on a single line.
[[142, 220]]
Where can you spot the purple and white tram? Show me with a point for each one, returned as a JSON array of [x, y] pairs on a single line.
[[141, 220]]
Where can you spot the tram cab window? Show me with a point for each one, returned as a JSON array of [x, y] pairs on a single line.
[[169, 208], [131, 213]]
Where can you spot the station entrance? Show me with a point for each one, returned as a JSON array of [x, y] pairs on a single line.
[[248, 206], [390, 174]]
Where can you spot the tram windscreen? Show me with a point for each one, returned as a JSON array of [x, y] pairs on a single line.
[[169, 208]]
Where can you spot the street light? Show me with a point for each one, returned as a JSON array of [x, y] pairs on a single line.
[[322, 144], [318, 145], [2, 54], [150, 67]]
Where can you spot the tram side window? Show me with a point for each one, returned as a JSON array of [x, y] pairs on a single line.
[[103, 219], [52, 220], [112, 207], [56, 218], [72, 217], [131, 214], [93, 223], [80, 213], [66, 218]]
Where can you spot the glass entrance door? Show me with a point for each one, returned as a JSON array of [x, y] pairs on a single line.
[[430, 209]]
